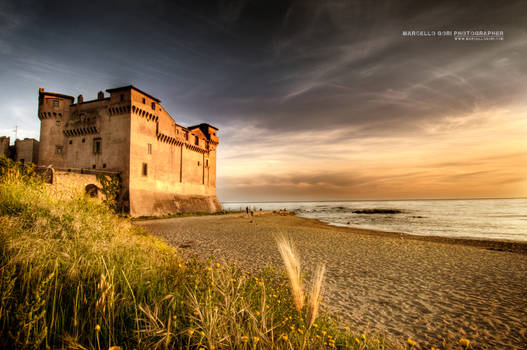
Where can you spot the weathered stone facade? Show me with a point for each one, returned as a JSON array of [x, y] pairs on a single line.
[[4, 145], [164, 167], [26, 151]]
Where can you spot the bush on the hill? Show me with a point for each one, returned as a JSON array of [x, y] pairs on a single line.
[[74, 275]]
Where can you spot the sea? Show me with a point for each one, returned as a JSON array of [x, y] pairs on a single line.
[[492, 219]]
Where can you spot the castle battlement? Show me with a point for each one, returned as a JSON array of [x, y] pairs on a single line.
[[164, 167]]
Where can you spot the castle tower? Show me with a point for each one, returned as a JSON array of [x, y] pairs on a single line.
[[53, 110], [164, 167]]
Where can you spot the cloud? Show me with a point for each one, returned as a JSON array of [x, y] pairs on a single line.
[[297, 88]]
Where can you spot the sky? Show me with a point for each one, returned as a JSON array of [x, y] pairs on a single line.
[[314, 100]]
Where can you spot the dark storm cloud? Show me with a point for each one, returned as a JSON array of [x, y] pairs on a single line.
[[293, 85], [280, 65]]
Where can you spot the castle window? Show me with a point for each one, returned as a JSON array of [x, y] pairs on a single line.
[[196, 140], [97, 146], [58, 149], [58, 122], [206, 162], [83, 140], [93, 166], [104, 165], [154, 106], [149, 148], [186, 135], [199, 163], [55, 103], [71, 141], [145, 169], [144, 100], [122, 97]]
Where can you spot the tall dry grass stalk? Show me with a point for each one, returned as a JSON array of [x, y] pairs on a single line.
[[292, 266], [315, 294], [75, 276]]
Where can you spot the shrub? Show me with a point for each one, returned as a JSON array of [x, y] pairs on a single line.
[[74, 275]]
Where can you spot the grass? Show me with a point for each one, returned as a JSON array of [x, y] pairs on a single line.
[[74, 275]]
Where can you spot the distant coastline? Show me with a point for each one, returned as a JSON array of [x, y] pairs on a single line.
[[473, 219], [374, 200]]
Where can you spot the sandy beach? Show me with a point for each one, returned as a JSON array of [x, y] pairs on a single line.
[[398, 285]]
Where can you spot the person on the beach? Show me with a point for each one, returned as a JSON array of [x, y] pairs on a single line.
[[247, 210]]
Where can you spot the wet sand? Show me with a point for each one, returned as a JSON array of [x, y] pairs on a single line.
[[399, 285]]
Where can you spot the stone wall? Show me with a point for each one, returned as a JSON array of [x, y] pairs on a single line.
[[4, 145], [26, 151], [74, 182], [164, 167]]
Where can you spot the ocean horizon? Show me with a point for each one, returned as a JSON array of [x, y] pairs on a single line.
[[501, 219]]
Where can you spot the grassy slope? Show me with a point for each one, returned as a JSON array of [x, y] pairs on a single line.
[[74, 275]]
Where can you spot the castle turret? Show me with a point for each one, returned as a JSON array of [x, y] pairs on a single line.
[[53, 109]]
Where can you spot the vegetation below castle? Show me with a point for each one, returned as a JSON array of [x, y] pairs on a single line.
[[74, 275]]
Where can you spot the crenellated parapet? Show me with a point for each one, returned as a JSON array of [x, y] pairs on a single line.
[[161, 163]]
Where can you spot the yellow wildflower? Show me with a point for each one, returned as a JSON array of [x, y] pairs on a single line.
[[284, 337], [244, 339], [114, 348], [256, 339], [209, 268], [190, 332], [300, 331], [179, 265], [411, 342], [347, 329], [363, 336], [97, 328], [202, 333], [464, 342], [323, 332], [315, 325], [357, 340], [217, 265], [212, 347], [257, 313]]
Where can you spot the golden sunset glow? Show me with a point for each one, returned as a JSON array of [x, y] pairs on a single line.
[[314, 100], [483, 154]]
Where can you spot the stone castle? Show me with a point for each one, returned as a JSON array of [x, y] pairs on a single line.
[[24, 151], [164, 168]]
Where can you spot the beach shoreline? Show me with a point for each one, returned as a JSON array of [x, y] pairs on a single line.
[[400, 285], [490, 244]]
